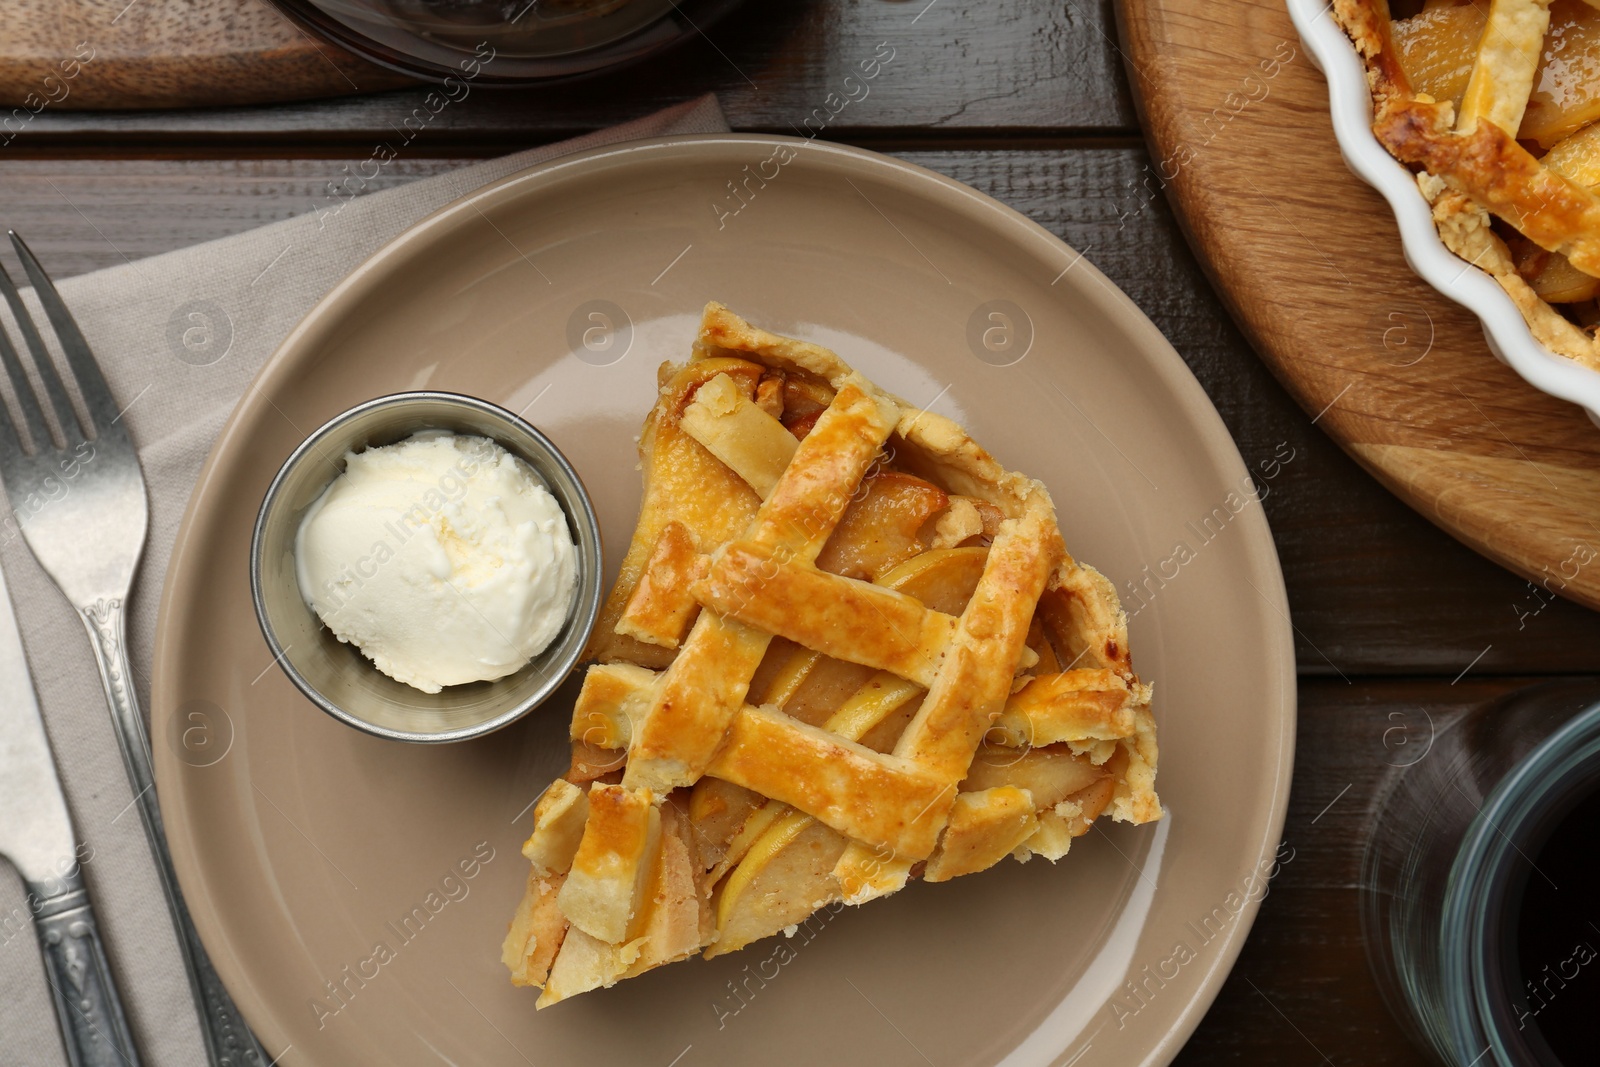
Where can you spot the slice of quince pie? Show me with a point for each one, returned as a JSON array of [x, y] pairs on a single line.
[[846, 648]]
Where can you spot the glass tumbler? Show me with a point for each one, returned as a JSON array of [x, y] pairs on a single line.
[[1448, 869]]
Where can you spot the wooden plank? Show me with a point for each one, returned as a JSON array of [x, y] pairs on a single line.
[[1008, 68], [1310, 259], [164, 53], [1301, 992], [1373, 587]]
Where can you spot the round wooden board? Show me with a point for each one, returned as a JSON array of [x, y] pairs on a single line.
[[1308, 258]]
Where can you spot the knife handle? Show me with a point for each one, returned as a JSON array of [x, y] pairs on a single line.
[[93, 1025]]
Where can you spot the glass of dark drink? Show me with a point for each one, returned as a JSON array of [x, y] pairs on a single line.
[[1481, 884]]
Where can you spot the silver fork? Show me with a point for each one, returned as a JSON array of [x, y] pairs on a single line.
[[82, 511]]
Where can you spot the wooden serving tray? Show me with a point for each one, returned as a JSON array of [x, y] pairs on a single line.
[[165, 53], [1308, 258]]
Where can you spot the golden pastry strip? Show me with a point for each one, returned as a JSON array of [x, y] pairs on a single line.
[[880, 799], [614, 696], [739, 433], [683, 484], [1498, 173], [774, 826], [817, 486], [660, 608], [698, 696], [558, 824], [1502, 74], [975, 678], [706, 684], [841, 617], [1087, 704], [611, 869]]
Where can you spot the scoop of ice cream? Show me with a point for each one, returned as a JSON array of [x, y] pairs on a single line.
[[442, 557]]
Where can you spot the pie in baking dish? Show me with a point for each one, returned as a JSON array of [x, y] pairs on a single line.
[[1495, 105], [846, 648]]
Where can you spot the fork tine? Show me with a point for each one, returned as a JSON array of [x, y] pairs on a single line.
[[10, 440], [97, 396], [27, 402], [46, 367]]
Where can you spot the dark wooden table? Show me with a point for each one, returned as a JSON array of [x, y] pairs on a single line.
[[1026, 100]]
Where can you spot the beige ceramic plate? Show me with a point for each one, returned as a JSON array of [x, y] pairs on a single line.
[[354, 891]]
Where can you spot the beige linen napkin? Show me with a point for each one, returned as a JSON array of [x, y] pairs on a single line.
[[180, 336]]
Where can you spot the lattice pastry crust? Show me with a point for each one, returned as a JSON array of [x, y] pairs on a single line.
[[1471, 163], [846, 648]]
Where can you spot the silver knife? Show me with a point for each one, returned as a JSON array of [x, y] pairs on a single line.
[[36, 836]]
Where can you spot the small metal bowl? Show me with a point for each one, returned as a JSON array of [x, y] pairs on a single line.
[[336, 676]]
